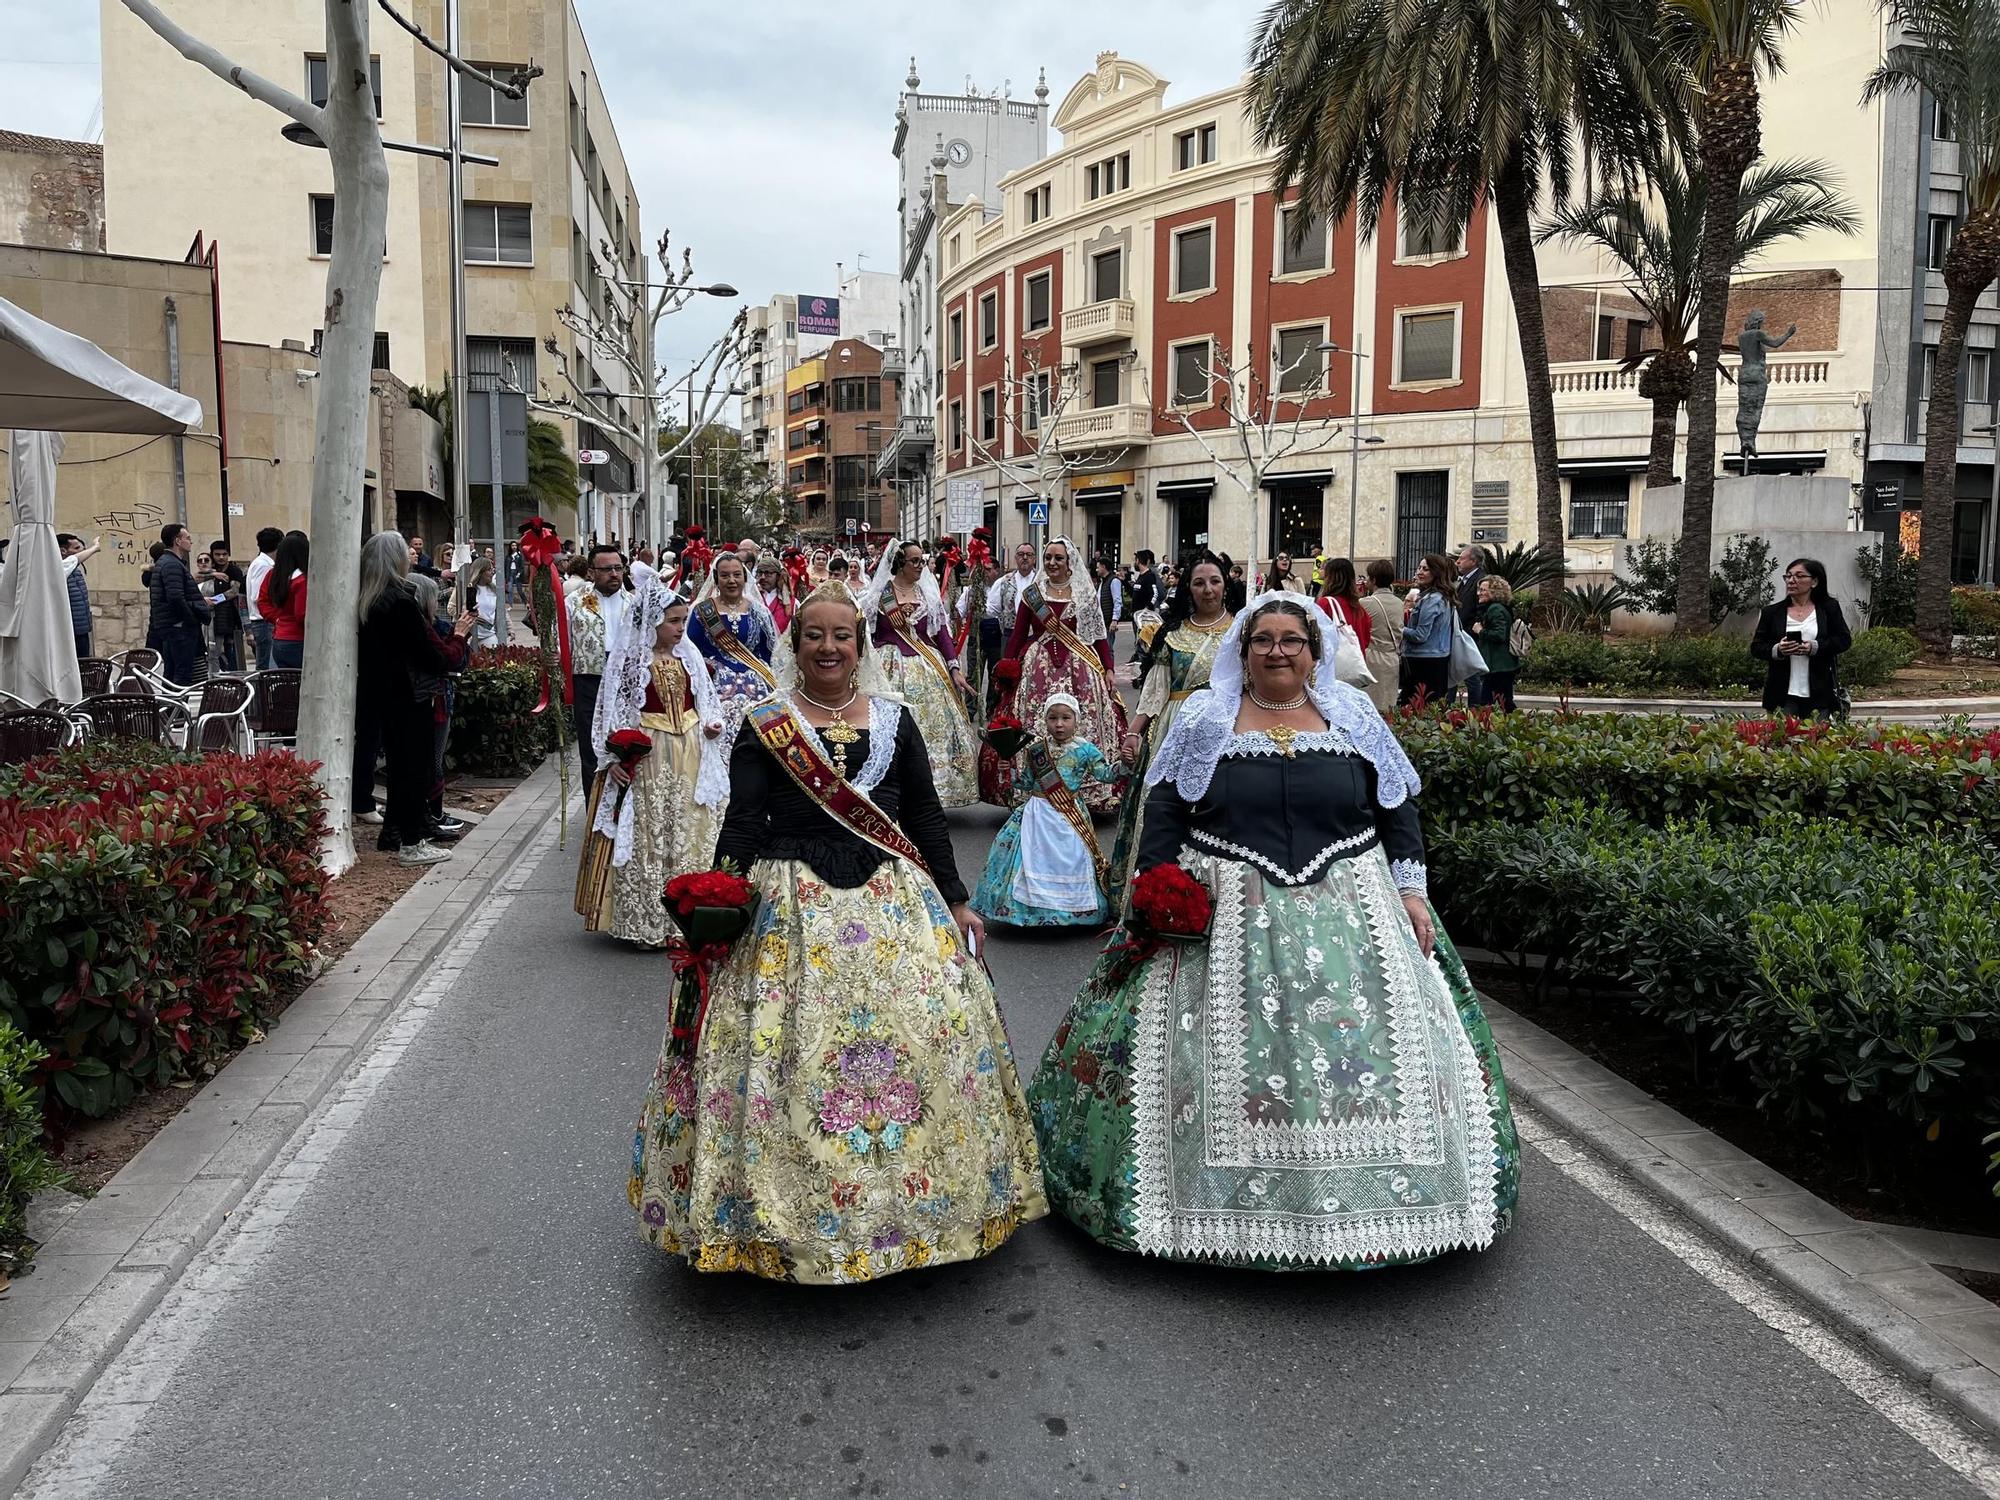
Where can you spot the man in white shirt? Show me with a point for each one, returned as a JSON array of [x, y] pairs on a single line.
[[1003, 603], [598, 619], [643, 571]]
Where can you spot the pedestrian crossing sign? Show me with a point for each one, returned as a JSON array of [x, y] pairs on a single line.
[[1038, 512]]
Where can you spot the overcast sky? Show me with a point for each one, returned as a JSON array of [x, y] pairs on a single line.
[[760, 133]]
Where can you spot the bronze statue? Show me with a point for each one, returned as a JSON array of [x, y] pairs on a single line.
[[1753, 383]]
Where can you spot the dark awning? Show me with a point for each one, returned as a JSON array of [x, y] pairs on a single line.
[[1311, 477], [1184, 489], [1629, 464], [1110, 494]]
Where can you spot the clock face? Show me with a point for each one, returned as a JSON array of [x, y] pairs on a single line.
[[959, 152]]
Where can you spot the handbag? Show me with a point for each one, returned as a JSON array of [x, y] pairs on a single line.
[[1349, 665], [1466, 662]]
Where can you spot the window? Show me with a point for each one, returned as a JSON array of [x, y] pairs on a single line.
[[957, 425], [1597, 505], [1108, 176], [989, 414], [1979, 375], [850, 479], [1607, 336], [1038, 203], [1299, 256], [1300, 364], [1421, 501], [1037, 402], [379, 358], [1426, 347], [1194, 148], [989, 320], [1037, 290], [1104, 383], [956, 324], [857, 393], [1942, 228], [322, 223], [796, 402], [481, 104], [491, 361], [1422, 240], [1194, 260], [316, 80], [499, 234], [1941, 123], [1107, 276], [1192, 377], [1930, 370], [952, 255], [1635, 338], [796, 438], [798, 474]]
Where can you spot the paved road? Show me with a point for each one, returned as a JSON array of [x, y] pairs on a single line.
[[458, 1306]]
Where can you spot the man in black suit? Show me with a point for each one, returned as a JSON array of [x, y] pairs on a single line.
[[1145, 593], [178, 609], [1471, 568]]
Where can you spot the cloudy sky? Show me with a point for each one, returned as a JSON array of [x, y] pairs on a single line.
[[760, 133]]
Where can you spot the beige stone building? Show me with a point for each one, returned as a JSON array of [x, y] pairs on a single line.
[[51, 192], [186, 155]]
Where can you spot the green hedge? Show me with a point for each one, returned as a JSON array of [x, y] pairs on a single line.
[[1581, 659], [495, 730], [1479, 767], [1843, 973], [25, 1165], [151, 908]]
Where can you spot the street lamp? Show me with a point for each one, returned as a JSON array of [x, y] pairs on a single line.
[[304, 135], [1354, 442]]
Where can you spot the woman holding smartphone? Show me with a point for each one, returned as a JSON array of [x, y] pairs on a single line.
[[1801, 638]]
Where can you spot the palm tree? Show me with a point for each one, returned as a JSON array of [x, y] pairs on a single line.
[[553, 481], [1457, 102], [1660, 254], [1725, 42], [1953, 51]]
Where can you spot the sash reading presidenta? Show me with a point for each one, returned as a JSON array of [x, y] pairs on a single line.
[[716, 623], [1054, 624], [797, 751], [1049, 784]]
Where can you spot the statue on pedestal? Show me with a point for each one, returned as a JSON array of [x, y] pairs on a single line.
[[1753, 383]]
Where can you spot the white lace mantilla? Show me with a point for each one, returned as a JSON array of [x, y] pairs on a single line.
[[1271, 867], [1205, 731]]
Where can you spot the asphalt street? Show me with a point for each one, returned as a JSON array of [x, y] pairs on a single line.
[[460, 1306]]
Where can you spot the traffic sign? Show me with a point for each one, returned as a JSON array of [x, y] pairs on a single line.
[[965, 501], [1038, 512], [589, 456], [853, 525]]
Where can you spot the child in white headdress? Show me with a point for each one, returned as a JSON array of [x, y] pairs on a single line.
[[1046, 869]]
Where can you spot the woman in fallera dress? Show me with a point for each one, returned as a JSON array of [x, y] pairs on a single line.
[[1176, 667], [659, 820], [735, 634], [920, 661], [850, 1107], [1061, 643], [1314, 1085]]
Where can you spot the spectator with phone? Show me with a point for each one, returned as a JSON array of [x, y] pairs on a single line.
[[1801, 639], [223, 584]]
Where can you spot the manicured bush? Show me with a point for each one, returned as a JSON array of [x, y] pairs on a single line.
[[1877, 655], [494, 728], [1478, 767], [151, 908], [1842, 972], [1584, 660], [25, 1166]]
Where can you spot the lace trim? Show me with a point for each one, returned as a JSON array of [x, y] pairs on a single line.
[[883, 717], [1255, 742], [1411, 876], [1205, 730], [1270, 867]]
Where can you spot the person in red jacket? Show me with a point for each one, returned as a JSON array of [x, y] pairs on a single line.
[[282, 600]]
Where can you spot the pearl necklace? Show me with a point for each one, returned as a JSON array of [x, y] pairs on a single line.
[[1272, 708]]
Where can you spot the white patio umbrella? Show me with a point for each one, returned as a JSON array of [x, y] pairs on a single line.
[[52, 382]]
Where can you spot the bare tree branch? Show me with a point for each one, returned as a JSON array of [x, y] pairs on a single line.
[[195, 50], [515, 88]]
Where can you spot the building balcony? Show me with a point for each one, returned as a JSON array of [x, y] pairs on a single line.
[[908, 450], [1103, 427], [1604, 382], [1101, 323]]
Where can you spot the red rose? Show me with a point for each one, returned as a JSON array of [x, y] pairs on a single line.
[[1007, 669], [629, 746], [1003, 722], [1169, 900], [708, 888]]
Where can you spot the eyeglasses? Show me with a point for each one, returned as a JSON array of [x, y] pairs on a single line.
[[1798, 578], [1278, 645]]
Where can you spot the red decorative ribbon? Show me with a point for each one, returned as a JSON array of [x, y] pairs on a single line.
[[686, 1030], [541, 544]]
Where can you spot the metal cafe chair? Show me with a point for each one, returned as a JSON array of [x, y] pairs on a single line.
[[28, 732]]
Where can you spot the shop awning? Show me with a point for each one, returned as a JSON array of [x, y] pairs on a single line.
[[1624, 464], [1184, 489], [1311, 477], [53, 381]]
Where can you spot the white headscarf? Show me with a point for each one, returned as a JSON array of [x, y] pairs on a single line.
[[930, 603], [751, 601], [622, 698], [1206, 724], [1086, 618]]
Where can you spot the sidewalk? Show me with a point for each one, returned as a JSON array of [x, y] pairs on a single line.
[[1906, 710], [101, 1272]]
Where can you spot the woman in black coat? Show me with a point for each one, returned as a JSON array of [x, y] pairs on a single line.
[[1801, 639]]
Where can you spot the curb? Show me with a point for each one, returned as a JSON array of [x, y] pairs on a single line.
[[1914, 710], [1861, 1283], [103, 1271]]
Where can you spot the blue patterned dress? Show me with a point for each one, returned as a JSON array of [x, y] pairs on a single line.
[[1006, 890]]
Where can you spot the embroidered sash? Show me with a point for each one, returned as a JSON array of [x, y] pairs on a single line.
[[797, 751], [1041, 766], [716, 623], [923, 648], [1050, 618]]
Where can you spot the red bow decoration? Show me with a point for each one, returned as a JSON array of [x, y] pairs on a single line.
[[541, 545]]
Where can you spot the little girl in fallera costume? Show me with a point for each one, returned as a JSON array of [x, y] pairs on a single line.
[[1046, 869]]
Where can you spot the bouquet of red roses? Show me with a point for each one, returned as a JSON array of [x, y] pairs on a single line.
[[712, 909], [628, 747], [1007, 670], [1171, 904], [1006, 735]]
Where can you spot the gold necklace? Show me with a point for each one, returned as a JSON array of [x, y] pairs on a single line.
[[839, 734]]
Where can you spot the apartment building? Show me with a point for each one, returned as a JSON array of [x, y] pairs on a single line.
[[839, 408], [867, 311], [949, 149], [1125, 268], [554, 225]]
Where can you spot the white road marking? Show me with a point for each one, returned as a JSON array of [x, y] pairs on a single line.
[[93, 1441], [1910, 1410]]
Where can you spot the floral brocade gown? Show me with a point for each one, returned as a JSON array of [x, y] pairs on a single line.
[[935, 702], [1050, 666], [851, 1107], [737, 683], [1305, 1088]]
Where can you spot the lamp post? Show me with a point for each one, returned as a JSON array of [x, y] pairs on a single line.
[[1992, 538], [1354, 442]]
